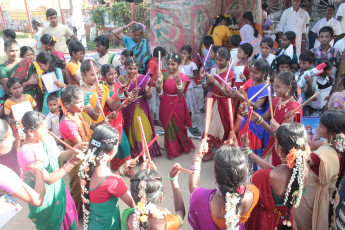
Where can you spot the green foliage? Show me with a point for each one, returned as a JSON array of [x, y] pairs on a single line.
[[142, 15], [120, 13], [97, 15]]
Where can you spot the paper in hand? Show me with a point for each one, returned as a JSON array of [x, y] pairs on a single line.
[[48, 81]]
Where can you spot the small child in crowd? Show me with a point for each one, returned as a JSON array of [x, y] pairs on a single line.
[[103, 56], [245, 50], [53, 117], [306, 62], [280, 64], [76, 51], [121, 67], [287, 45], [235, 43], [208, 41], [266, 47]]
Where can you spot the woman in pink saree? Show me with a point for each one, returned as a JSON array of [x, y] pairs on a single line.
[[173, 110]]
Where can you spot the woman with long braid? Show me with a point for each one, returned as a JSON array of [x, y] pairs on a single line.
[[251, 32]]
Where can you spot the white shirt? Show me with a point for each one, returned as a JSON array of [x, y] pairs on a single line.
[[341, 13], [340, 45], [334, 23], [269, 58], [188, 71], [106, 59], [295, 21], [287, 52], [233, 53]]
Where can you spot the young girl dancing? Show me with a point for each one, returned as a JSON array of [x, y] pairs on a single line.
[[50, 63], [233, 201], [58, 209], [139, 106], [147, 192], [281, 188], [285, 88], [220, 123], [100, 187], [173, 110]]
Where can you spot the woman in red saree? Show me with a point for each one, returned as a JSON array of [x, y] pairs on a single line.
[[173, 110], [220, 121], [285, 88]]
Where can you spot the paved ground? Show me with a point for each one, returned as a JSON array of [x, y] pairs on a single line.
[[164, 164]]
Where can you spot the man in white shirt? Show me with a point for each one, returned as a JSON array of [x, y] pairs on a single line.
[[327, 21], [60, 32], [294, 19], [341, 16]]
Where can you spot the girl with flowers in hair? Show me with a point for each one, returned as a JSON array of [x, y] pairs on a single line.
[[141, 92], [285, 88], [230, 205], [173, 110], [220, 122], [58, 209], [147, 192], [281, 188], [100, 187]]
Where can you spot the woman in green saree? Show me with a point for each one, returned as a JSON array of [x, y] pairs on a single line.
[[58, 209], [17, 67]]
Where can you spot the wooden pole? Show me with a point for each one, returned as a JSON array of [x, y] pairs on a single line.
[[61, 12], [29, 18], [2, 19]]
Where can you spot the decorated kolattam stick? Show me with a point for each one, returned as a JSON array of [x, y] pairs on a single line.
[[262, 89]]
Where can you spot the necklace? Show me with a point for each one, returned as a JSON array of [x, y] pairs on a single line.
[[282, 104], [220, 71], [92, 90], [21, 99]]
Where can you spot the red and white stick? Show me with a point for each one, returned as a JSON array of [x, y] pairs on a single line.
[[149, 145], [143, 139], [62, 142], [185, 170], [209, 105], [231, 118]]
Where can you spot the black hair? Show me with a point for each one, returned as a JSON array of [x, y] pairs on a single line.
[[247, 49], [4, 127], [75, 46], [307, 56], [264, 5], [55, 61], [85, 66], [10, 42], [107, 138], [218, 19], [268, 41], [263, 66], [328, 66], [47, 39], [291, 36], [102, 40], [288, 78], [105, 69], [50, 12], [13, 80], [326, 29], [25, 49], [32, 120], [330, 6], [231, 170], [215, 48], [138, 27], [286, 136], [235, 40], [52, 97], [127, 53], [175, 57], [248, 15], [224, 53], [157, 50], [189, 49], [283, 59], [131, 61], [208, 40], [70, 94], [9, 33]]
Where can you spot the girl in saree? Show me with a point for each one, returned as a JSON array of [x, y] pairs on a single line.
[[173, 110], [58, 209], [51, 63], [285, 88], [94, 91], [220, 121], [282, 188], [231, 203], [17, 67], [139, 106], [138, 45]]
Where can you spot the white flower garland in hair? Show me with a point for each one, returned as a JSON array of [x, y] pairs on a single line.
[[340, 142], [143, 211], [231, 216]]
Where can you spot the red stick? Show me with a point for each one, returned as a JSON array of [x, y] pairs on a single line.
[[185, 170], [231, 118], [209, 105], [246, 126], [149, 145], [143, 139], [130, 79], [123, 104], [62, 142]]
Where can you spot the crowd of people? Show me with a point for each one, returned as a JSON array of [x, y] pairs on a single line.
[[271, 172]]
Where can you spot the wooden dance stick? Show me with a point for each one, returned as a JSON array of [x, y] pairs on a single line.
[[246, 126], [143, 139], [245, 96], [209, 105], [208, 53], [159, 61], [62, 142], [270, 101], [306, 102], [185, 170], [227, 74], [262, 89], [149, 145], [231, 118], [94, 72], [97, 99]]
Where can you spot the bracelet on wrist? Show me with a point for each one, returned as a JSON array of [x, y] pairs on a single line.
[[172, 178], [195, 167], [68, 166], [120, 95], [179, 86], [122, 170]]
